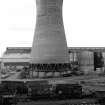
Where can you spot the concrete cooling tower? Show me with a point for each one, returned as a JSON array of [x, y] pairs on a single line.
[[49, 44]]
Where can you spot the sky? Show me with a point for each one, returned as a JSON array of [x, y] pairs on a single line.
[[84, 22]]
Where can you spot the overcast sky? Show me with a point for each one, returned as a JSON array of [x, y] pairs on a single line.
[[84, 22]]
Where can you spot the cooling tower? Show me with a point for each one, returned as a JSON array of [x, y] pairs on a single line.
[[49, 44]]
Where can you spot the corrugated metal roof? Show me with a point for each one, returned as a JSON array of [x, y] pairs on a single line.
[[10, 50], [87, 48], [16, 57]]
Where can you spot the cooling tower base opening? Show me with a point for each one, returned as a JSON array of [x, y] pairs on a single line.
[[48, 70]]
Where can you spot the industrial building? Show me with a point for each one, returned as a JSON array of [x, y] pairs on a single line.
[[89, 59], [15, 57]]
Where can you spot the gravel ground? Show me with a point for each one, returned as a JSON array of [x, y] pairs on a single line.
[[62, 102]]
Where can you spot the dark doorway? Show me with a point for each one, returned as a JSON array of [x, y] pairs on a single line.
[[98, 60]]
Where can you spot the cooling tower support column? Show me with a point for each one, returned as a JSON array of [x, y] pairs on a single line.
[[49, 51]]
